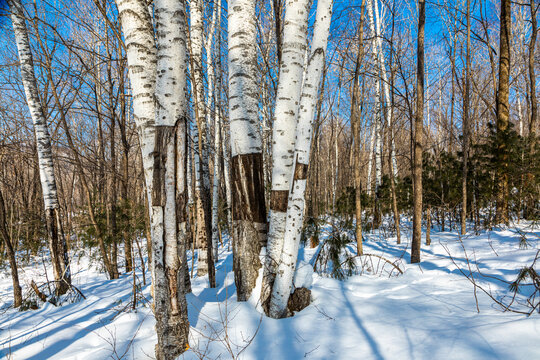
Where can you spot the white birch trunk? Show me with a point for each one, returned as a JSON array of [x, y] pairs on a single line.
[[378, 138], [295, 208], [215, 185], [248, 207], [378, 101], [227, 174], [216, 14], [169, 178], [55, 235], [370, 159], [163, 144], [204, 225], [202, 259], [287, 100], [375, 27], [141, 56]]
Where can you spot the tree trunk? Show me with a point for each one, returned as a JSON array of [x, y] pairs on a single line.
[[465, 125], [55, 235], [295, 209], [532, 46], [355, 120], [503, 111], [164, 163], [532, 101], [418, 134], [248, 205], [288, 97], [217, 128], [17, 291], [202, 194], [428, 226]]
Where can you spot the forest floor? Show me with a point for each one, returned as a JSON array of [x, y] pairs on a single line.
[[428, 312]]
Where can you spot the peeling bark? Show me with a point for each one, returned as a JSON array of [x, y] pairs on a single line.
[[247, 179]]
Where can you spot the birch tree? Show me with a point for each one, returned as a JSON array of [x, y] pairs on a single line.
[[248, 206], [295, 208], [169, 192], [202, 188], [291, 71], [164, 148], [55, 235], [214, 93]]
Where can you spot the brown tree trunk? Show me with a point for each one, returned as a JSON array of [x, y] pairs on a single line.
[[394, 198], [428, 225], [465, 125], [503, 111], [249, 220], [113, 232], [418, 134], [17, 291], [532, 76], [391, 141], [532, 101], [355, 119]]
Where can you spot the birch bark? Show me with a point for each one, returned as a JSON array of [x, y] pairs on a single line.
[[248, 207], [169, 192], [381, 65], [202, 193], [295, 208], [55, 234], [217, 123], [164, 148], [287, 100]]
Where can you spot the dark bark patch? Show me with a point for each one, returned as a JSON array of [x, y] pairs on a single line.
[[279, 200], [299, 299], [248, 188], [300, 171]]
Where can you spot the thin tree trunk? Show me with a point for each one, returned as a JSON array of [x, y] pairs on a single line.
[[532, 100], [532, 77], [17, 291], [217, 126], [418, 142], [202, 193], [392, 162], [465, 125], [503, 111], [55, 235], [428, 226], [355, 120]]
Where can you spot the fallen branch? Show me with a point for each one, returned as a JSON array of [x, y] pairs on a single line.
[[382, 258], [39, 294]]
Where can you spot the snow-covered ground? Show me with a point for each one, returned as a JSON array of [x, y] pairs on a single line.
[[429, 312]]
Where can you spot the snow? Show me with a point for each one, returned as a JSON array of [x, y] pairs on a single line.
[[303, 276], [429, 312]]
